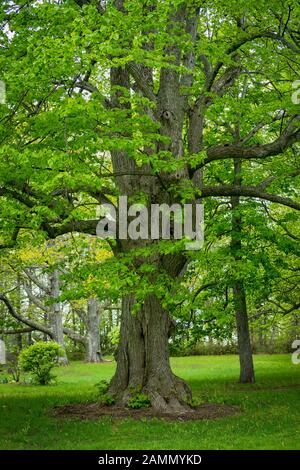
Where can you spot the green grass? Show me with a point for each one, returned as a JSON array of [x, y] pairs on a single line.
[[270, 416]]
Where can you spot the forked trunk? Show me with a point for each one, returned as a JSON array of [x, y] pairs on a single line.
[[143, 359]]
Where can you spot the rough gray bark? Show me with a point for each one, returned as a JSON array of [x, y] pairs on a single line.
[[92, 340], [143, 358]]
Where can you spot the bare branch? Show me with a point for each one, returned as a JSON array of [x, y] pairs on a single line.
[[30, 323], [35, 300]]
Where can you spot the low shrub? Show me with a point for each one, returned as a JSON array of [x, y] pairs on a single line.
[[39, 359]]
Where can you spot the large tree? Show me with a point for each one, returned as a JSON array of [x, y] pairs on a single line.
[[139, 99]]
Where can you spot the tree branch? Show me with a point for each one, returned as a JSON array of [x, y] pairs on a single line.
[[35, 300], [278, 146], [141, 81], [30, 323], [36, 326], [247, 191], [74, 336], [37, 281], [16, 332]]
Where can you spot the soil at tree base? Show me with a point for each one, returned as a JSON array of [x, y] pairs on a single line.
[[87, 411]]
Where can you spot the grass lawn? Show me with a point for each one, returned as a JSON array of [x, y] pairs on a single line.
[[269, 418]]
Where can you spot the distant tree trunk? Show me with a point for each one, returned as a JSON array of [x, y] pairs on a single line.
[[110, 319], [93, 349], [296, 324], [18, 338], [118, 316], [45, 337], [239, 294], [29, 336], [30, 341], [19, 342], [244, 343], [262, 343], [56, 315]]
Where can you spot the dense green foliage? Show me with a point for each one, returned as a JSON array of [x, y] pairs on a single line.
[[57, 134]]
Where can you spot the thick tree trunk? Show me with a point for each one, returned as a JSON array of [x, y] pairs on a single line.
[[56, 316], [92, 344], [244, 343], [143, 358]]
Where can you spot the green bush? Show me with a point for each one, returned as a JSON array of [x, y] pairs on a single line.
[[39, 359]]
